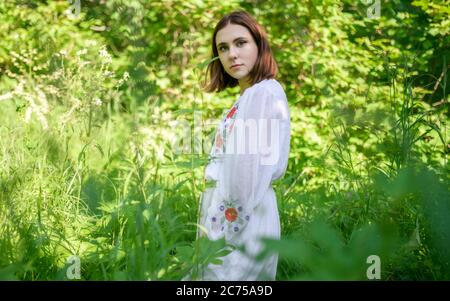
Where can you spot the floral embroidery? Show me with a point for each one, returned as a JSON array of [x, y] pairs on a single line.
[[230, 217], [232, 111], [231, 214], [226, 217], [225, 128]]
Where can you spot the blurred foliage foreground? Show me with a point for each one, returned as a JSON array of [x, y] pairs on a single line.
[[95, 95]]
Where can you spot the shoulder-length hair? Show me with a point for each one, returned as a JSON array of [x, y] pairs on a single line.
[[265, 66]]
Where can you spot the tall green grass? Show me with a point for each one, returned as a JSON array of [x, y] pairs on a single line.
[[102, 181]]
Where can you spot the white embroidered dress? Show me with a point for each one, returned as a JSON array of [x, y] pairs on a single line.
[[250, 150]]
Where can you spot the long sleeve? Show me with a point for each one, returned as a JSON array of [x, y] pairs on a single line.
[[257, 149]]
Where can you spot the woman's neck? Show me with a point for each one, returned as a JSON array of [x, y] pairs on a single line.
[[244, 84]]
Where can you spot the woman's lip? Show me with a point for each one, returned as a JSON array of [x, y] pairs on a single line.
[[234, 66]]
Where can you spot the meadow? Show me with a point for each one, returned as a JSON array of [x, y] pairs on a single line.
[[105, 132]]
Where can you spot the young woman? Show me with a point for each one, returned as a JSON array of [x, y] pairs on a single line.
[[250, 151]]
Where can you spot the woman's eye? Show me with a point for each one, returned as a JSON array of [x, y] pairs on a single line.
[[222, 49], [240, 43]]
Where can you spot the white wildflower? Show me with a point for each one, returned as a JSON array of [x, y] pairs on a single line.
[[108, 73], [52, 90], [19, 88], [42, 119], [6, 96], [38, 110], [97, 102], [66, 116], [28, 114], [84, 63], [37, 102], [105, 55], [81, 52], [90, 43], [43, 100], [124, 78], [166, 116]]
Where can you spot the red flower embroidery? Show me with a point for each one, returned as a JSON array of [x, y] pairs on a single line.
[[231, 113], [231, 214]]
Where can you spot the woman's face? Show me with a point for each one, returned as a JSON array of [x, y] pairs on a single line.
[[237, 51]]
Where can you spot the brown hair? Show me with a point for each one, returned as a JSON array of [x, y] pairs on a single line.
[[265, 66]]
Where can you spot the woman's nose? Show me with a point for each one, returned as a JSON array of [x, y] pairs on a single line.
[[233, 53]]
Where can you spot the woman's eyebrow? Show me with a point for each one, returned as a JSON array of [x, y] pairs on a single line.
[[223, 43]]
